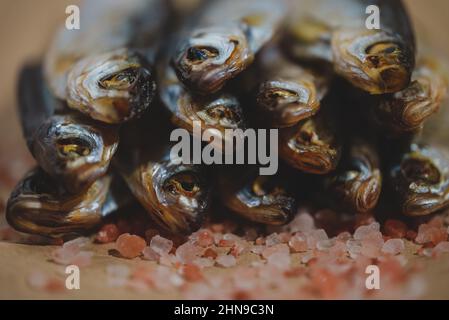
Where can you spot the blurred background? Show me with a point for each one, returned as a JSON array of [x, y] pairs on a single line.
[[26, 27]]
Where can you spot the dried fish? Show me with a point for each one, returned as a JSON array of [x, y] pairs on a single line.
[[375, 60], [104, 68], [289, 92], [262, 199], [176, 195], [313, 145], [406, 111], [39, 205], [69, 147], [357, 183], [223, 40]]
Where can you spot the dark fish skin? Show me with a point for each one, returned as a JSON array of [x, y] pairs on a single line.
[[288, 92], [420, 179], [104, 69], [70, 147], [405, 112], [175, 195], [357, 183], [314, 144], [377, 61], [261, 199], [39, 205], [222, 41], [216, 112]]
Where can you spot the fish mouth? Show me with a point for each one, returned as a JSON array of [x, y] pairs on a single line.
[[375, 61], [113, 87], [287, 102], [210, 57]]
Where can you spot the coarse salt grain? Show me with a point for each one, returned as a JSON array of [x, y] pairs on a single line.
[[272, 239], [393, 246], [279, 248], [226, 261], [440, 249], [130, 246], [303, 222], [108, 233], [161, 245], [365, 230], [187, 252], [150, 255], [298, 243]]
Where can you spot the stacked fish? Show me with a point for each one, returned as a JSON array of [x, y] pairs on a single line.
[[354, 110]]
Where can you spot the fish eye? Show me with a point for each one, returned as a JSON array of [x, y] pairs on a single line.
[[197, 55], [122, 80], [421, 170], [185, 183], [73, 147]]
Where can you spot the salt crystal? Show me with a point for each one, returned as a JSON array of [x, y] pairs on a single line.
[[285, 237], [257, 249], [344, 236], [76, 243], [205, 238], [187, 252], [260, 241], [191, 272], [298, 243], [302, 222], [210, 253], [440, 248], [42, 281], [117, 275], [372, 244], [150, 255], [324, 245], [307, 257], [226, 261], [314, 236], [354, 247], [428, 233], [279, 248], [364, 231], [130, 246], [393, 246], [272, 239], [108, 233], [82, 259], [204, 262], [161, 245], [280, 260]]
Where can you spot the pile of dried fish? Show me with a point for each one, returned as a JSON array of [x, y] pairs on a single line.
[[355, 113]]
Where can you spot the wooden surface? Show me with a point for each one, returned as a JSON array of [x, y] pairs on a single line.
[[25, 29]]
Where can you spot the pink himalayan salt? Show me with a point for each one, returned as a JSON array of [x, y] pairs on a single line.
[[226, 261], [150, 255], [108, 233], [364, 231], [161, 245], [191, 273], [168, 260], [440, 249], [393, 246], [354, 248], [298, 243], [44, 282], [240, 247], [257, 249], [428, 233], [314, 236], [130, 246], [70, 253], [205, 238], [344, 236], [259, 241], [210, 253], [372, 244], [395, 228], [279, 259], [272, 239], [324, 245], [303, 222], [285, 237], [204, 262], [279, 248], [188, 252], [117, 275]]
